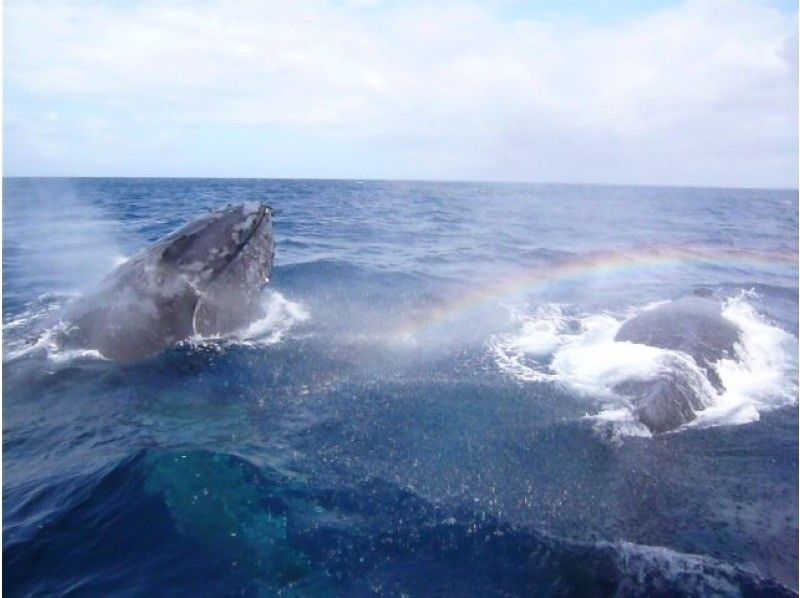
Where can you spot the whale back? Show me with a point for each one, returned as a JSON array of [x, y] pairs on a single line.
[[694, 326]]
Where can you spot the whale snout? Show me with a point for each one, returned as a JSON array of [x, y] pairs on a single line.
[[212, 244], [255, 245]]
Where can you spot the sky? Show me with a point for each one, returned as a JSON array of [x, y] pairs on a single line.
[[698, 92]]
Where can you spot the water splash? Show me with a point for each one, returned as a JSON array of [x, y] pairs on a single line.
[[579, 352]]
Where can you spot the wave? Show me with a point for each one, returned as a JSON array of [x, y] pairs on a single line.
[[763, 376], [556, 344], [656, 569], [194, 510], [35, 331], [253, 527]]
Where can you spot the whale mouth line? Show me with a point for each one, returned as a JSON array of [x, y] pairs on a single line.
[[230, 294]]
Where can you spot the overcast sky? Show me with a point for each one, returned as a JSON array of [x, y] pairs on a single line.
[[701, 92]]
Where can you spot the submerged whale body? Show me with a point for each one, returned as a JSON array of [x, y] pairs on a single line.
[[204, 279], [695, 327]]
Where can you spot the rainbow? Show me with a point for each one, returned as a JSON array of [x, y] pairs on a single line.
[[591, 265]]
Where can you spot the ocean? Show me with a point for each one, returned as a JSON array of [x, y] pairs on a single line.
[[427, 406]]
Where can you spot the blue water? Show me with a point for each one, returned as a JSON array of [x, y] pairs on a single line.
[[354, 445]]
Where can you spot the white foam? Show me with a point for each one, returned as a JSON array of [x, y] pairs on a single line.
[[523, 354], [618, 422], [580, 353], [763, 374], [119, 259], [21, 347], [689, 573], [46, 344], [597, 365], [542, 333], [32, 331], [280, 316]]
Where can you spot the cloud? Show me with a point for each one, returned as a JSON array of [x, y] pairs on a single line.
[[704, 92]]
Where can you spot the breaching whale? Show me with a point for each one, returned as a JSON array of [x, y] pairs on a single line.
[[204, 279], [694, 326]]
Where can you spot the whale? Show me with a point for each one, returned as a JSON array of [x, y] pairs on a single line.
[[204, 279], [695, 329]]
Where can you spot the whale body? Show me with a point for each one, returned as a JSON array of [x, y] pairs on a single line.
[[696, 328], [204, 279]]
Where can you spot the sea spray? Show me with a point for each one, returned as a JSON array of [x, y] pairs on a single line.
[[581, 353]]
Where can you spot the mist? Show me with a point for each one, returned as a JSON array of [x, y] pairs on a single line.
[[61, 239]]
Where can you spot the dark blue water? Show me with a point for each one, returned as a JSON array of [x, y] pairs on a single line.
[[377, 435]]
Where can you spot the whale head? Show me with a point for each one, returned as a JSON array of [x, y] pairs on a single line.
[[235, 243], [226, 257], [205, 278]]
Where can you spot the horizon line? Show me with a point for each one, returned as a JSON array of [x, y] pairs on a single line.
[[410, 180]]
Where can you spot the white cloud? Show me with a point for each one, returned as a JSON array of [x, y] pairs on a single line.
[[702, 93]]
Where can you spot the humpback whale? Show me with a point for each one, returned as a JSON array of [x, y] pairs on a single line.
[[695, 327], [203, 279]]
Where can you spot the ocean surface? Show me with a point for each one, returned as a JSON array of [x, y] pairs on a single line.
[[425, 408]]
